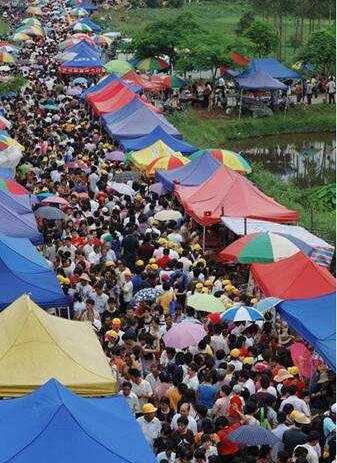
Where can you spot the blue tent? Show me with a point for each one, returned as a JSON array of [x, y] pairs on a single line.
[[315, 320], [20, 204], [272, 67], [110, 78], [122, 113], [157, 134], [88, 6], [83, 60], [24, 270], [192, 174], [259, 80], [7, 172], [82, 47], [18, 225], [93, 26], [139, 123], [55, 425]]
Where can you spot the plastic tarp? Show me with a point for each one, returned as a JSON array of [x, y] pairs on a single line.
[[53, 424], [106, 81], [18, 225], [36, 346], [141, 122], [227, 193], [93, 26], [24, 270], [296, 277], [272, 67], [112, 97], [83, 60], [84, 47], [192, 174], [120, 114], [259, 80], [21, 204], [315, 320], [158, 134], [142, 81], [141, 159]]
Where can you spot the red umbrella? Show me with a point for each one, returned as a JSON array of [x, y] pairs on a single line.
[[302, 359]]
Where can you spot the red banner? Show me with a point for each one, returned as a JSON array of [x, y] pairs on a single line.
[[239, 59], [75, 70]]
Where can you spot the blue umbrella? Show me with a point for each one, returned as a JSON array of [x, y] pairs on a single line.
[[147, 294], [266, 304], [81, 81], [241, 313], [253, 435], [50, 213]]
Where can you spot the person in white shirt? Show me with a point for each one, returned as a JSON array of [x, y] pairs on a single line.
[[93, 179], [218, 342], [149, 423], [299, 404], [130, 396], [175, 237], [184, 411], [140, 387], [100, 298], [313, 447], [191, 379], [247, 382], [153, 377]]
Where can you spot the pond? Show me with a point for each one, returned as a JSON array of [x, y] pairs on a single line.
[[306, 159]]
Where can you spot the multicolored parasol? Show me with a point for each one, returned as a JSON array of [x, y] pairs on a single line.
[[8, 47], [264, 248], [4, 123], [100, 39], [166, 163], [7, 142], [240, 313], [151, 64], [34, 11], [6, 58], [11, 186], [31, 22], [228, 158], [81, 27], [174, 82], [20, 37]]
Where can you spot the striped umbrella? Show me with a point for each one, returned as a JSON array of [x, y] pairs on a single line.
[[228, 158], [80, 27], [174, 82], [151, 64], [166, 163], [8, 47], [264, 248], [241, 313], [266, 304], [118, 66], [4, 123], [11, 186]]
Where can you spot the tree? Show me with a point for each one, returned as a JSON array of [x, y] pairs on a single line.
[[245, 22], [263, 36], [165, 37], [320, 50]]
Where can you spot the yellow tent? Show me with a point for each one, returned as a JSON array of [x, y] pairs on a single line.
[[36, 346], [141, 159]]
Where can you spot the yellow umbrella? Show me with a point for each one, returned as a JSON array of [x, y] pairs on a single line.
[[20, 37], [173, 161], [141, 159]]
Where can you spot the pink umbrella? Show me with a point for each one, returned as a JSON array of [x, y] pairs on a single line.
[[55, 200], [302, 359], [115, 156], [184, 335]]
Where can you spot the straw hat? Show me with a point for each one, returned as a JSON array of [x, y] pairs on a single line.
[[282, 375], [149, 408], [84, 277], [235, 353], [197, 247], [299, 417]]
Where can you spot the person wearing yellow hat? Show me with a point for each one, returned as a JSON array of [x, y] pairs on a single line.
[[149, 423], [139, 263], [152, 260], [226, 283], [208, 283], [197, 247], [235, 361], [205, 290], [235, 353], [154, 267], [293, 370], [254, 300], [228, 288], [198, 287]]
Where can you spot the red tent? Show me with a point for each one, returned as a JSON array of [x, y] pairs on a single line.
[[110, 98], [143, 81], [228, 193], [297, 277]]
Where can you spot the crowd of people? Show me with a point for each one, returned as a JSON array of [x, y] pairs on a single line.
[[109, 247]]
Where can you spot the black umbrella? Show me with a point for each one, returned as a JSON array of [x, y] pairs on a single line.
[[49, 212], [126, 176], [253, 435]]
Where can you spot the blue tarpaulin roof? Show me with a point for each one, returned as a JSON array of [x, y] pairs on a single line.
[[20, 204], [24, 270], [18, 225], [122, 113], [193, 173], [272, 67], [315, 320], [110, 78], [82, 47], [139, 123], [55, 425], [259, 80], [158, 134], [84, 59]]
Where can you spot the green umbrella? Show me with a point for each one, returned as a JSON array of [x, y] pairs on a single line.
[[206, 303], [118, 66]]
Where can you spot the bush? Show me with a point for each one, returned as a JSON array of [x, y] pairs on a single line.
[[153, 3], [175, 3]]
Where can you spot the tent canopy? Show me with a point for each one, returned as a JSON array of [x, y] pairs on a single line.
[[272, 67], [82, 62], [142, 81], [138, 124], [301, 278], [315, 320], [228, 193], [105, 82], [141, 159], [23, 270], [87, 6], [112, 97], [259, 80], [55, 424], [36, 346], [83, 47], [20, 204], [192, 174], [15, 224], [157, 134]]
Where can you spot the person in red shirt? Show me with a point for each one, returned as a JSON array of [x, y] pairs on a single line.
[[227, 450], [162, 262]]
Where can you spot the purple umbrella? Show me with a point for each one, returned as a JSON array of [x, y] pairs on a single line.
[[115, 156], [159, 189], [184, 335]]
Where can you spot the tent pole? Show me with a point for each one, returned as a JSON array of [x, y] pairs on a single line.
[[245, 226], [203, 238]]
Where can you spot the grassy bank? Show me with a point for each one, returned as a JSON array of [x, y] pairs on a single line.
[[206, 129], [4, 27]]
